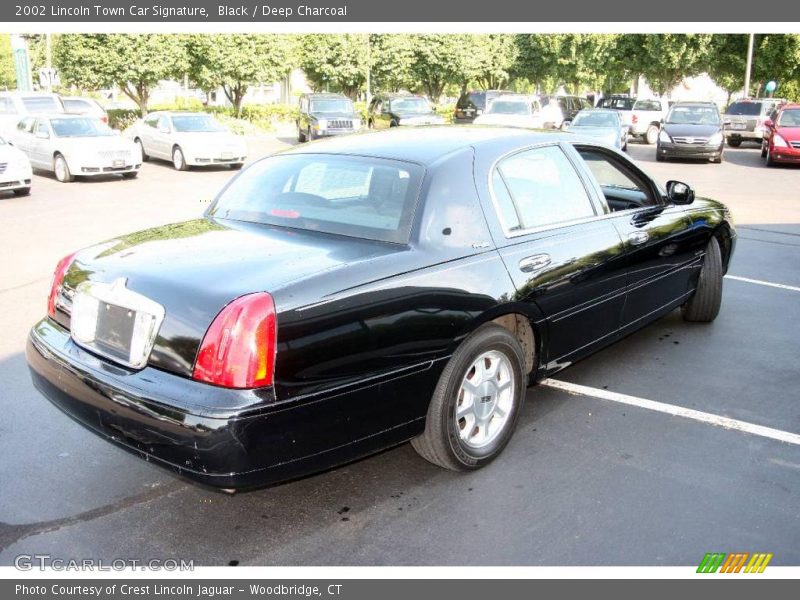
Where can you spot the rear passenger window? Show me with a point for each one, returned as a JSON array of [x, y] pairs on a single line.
[[543, 188]]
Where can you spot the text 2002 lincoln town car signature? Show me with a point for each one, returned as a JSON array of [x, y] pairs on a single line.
[[353, 294]]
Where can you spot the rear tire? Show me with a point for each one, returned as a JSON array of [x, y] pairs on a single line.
[[705, 303], [651, 136], [734, 142], [458, 433]]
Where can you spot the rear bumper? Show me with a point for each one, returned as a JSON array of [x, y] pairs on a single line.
[[218, 437], [755, 136]]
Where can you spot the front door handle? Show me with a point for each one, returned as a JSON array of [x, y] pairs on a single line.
[[532, 263], [637, 238]]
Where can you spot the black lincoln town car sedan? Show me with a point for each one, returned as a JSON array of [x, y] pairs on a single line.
[[356, 293]]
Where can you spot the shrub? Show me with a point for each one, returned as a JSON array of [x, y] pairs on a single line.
[[122, 118]]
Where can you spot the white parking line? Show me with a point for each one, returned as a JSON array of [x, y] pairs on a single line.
[[677, 411], [766, 283]]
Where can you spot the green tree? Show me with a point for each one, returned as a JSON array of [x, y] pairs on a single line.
[[8, 73], [133, 62], [776, 57], [234, 62], [491, 60], [439, 59], [727, 60], [335, 62], [391, 56], [665, 59], [537, 56]]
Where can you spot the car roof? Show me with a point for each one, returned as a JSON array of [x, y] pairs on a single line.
[[603, 110], [326, 95], [18, 93], [792, 105], [426, 145]]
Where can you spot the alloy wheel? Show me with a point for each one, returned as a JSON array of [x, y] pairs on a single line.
[[485, 399]]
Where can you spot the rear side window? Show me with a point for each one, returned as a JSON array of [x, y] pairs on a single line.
[[750, 109], [41, 104], [542, 187], [367, 198]]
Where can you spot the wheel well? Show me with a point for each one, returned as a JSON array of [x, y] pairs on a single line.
[[656, 123], [723, 236], [520, 326]]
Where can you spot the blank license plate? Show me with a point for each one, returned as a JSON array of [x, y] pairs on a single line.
[[118, 162], [115, 329], [739, 126]]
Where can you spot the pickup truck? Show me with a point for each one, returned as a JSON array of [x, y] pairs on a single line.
[[646, 119]]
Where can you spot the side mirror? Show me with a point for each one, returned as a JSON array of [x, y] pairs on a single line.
[[769, 124], [42, 135], [679, 192], [566, 124]]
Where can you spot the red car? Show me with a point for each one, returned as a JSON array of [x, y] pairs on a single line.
[[782, 140]]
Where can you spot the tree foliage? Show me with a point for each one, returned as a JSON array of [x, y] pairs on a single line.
[[335, 62], [133, 62], [8, 73], [665, 59], [234, 62]]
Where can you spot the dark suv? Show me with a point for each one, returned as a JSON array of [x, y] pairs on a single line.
[[323, 115], [558, 109], [472, 104], [744, 119], [393, 110]]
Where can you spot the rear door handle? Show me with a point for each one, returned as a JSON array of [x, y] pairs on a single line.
[[637, 238], [532, 263]]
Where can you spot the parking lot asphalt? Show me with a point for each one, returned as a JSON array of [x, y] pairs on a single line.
[[585, 481]]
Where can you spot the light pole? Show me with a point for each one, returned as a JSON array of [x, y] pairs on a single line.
[[749, 66]]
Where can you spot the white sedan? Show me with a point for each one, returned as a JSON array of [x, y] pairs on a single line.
[[512, 111], [15, 170], [188, 139], [75, 145]]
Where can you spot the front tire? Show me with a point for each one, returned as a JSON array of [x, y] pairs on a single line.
[[26, 191], [477, 402], [769, 160], [301, 136], [764, 146], [705, 303], [178, 159], [130, 175], [61, 169], [236, 166]]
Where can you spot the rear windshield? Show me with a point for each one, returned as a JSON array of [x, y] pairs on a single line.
[[651, 105], [361, 197], [591, 118], [76, 105], [41, 104], [509, 107], [617, 103], [751, 109]]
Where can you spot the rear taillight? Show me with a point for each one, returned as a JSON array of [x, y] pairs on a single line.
[[238, 350], [635, 119], [104, 119], [58, 280]]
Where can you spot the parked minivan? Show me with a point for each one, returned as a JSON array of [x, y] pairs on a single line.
[[15, 105]]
